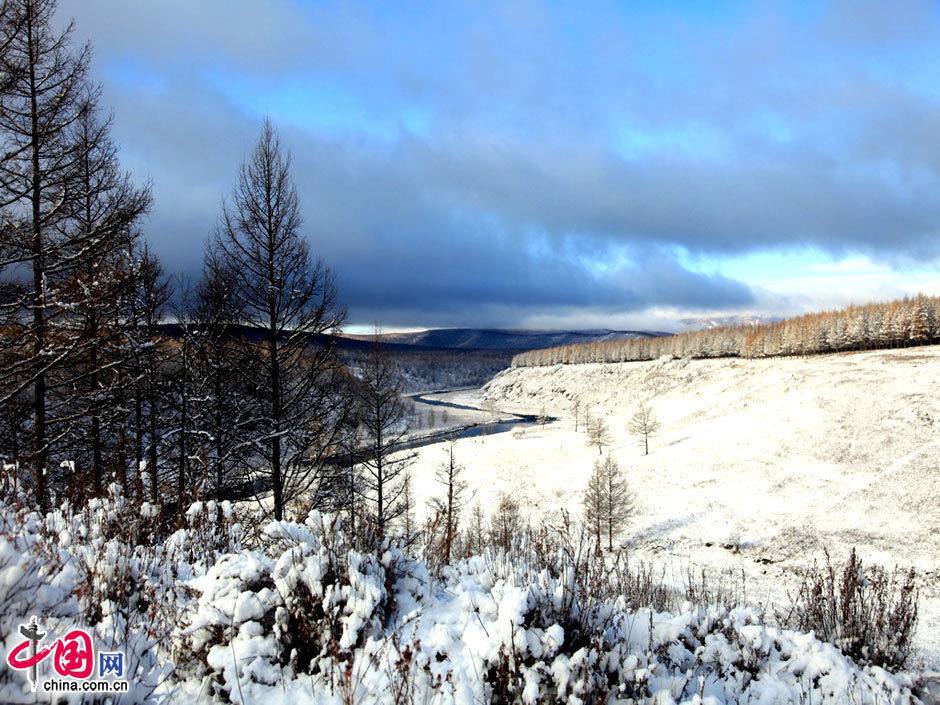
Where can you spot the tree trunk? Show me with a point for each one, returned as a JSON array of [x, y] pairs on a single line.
[[39, 289], [152, 448]]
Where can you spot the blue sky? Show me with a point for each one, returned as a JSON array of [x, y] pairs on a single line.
[[550, 164]]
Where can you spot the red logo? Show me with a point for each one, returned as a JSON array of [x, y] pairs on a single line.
[[73, 654]]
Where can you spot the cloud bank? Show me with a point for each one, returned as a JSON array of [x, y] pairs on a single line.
[[470, 163]]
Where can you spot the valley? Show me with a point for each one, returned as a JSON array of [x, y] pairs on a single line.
[[760, 465]]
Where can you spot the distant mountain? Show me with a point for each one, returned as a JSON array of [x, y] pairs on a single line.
[[503, 339], [706, 322], [423, 367], [345, 343]]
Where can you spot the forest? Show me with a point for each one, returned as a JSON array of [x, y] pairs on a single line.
[[245, 393], [895, 324]]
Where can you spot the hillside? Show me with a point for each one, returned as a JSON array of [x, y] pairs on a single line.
[[903, 323], [503, 339], [760, 464]]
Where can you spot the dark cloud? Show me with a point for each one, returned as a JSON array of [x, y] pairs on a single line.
[[489, 163]]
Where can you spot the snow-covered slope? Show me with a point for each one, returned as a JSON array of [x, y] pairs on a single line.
[[781, 457]]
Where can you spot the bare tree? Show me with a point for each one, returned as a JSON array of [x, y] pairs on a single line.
[[103, 213], [475, 535], [598, 434], [450, 475], [383, 419], [644, 424], [52, 168], [489, 406], [576, 410], [289, 298], [408, 531], [224, 400], [348, 496], [608, 501], [151, 295]]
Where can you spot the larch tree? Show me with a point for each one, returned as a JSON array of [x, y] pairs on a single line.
[[348, 485], [910, 321], [449, 474], [409, 534], [505, 523], [383, 420], [288, 297], [184, 399], [474, 539], [151, 296], [225, 400], [608, 502], [106, 207], [644, 424], [598, 434], [45, 95]]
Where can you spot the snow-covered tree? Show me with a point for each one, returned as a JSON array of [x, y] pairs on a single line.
[[644, 424], [910, 321], [919, 325], [598, 433], [105, 209], [505, 523], [66, 209], [224, 403], [608, 502], [148, 305]]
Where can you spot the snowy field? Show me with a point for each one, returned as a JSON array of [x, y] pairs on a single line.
[[759, 466]]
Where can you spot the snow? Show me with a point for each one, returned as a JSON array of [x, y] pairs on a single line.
[[449, 641], [759, 466], [304, 617]]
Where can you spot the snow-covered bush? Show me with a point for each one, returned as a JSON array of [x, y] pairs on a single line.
[[296, 614], [302, 602], [100, 567], [306, 616], [37, 577]]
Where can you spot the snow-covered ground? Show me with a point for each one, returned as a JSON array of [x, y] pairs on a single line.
[[782, 458]]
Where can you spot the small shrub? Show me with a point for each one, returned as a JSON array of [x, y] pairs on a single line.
[[871, 615]]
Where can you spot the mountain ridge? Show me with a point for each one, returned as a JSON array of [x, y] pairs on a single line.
[[505, 338]]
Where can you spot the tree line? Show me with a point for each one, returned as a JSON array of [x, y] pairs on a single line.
[[93, 391], [902, 323]]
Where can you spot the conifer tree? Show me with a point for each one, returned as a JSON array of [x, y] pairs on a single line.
[[598, 434], [289, 299], [64, 205], [644, 424], [383, 420], [449, 474], [608, 501]]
